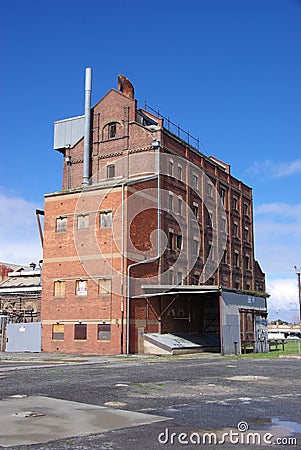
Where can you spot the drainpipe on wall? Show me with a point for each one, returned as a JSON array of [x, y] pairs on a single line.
[[156, 144]]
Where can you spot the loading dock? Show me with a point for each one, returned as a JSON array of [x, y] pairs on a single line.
[[211, 318]]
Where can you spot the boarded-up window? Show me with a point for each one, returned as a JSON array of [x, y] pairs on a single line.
[[105, 219], [59, 289], [80, 332], [104, 286], [61, 225], [58, 332], [104, 332], [83, 222], [81, 287]]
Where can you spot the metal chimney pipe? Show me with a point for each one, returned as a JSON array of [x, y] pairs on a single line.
[[88, 88]]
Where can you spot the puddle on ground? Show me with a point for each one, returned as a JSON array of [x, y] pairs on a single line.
[[276, 422], [294, 427]]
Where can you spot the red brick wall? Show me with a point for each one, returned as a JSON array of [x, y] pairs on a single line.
[[62, 250]]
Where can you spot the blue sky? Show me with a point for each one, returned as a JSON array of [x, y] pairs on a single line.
[[228, 71]]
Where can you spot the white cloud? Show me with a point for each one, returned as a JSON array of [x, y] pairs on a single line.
[[276, 169], [278, 238], [283, 303], [19, 237], [278, 249]]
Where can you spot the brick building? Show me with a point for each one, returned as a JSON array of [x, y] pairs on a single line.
[[145, 235]]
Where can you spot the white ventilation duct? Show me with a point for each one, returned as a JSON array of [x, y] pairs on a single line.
[[88, 88]]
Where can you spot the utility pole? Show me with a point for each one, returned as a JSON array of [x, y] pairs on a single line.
[[298, 272]]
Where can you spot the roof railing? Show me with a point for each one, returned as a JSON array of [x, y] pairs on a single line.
[[175, 129]]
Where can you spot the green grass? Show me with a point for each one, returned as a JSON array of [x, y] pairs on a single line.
[[290, 348]]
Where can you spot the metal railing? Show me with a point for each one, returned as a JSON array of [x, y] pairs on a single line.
[[175, 129]]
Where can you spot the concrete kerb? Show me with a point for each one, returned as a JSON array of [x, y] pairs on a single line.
[[60, 358]]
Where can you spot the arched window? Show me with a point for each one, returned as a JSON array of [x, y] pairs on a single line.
[[112, 130]]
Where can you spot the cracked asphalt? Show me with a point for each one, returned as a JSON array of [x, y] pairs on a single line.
[[199, 393]]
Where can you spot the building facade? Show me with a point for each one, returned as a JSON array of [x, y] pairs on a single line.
[[141, 211]]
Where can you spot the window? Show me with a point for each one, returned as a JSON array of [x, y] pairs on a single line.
[[194, 181], [223, 225], [180, 202], [225, 257], [196, 279], [112, 129], [195, 247], [179, 242], [83, 222], [179, 279], [59, 289], [195, 210], [246, 234], [80, 332], [235, 229], [171, 240], [81, 287], [209, 219], [104, 332], [170, 200], [236, 259], [105, 219], [246, 209], [179, 173], [111, 171], [209, 251], [170, 277], [209, 190], [170, 168], [234, 203], [247, 262], [104, 286], [61, 225], [223, 195], [58, 332]]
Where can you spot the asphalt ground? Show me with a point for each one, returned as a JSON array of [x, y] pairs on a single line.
[[198, 394]]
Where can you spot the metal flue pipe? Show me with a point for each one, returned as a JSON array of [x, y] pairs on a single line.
[[88, 88]]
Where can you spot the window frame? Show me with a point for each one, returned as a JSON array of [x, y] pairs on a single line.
[[103, 290], [103, 224], [107, 332], [62, 292], [83, 218], [59, 228], [77, 328], [57, 335], [112, 130], [78, 291], [111, 168]]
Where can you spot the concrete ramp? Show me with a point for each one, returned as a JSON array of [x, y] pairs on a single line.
[[171, 344]]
